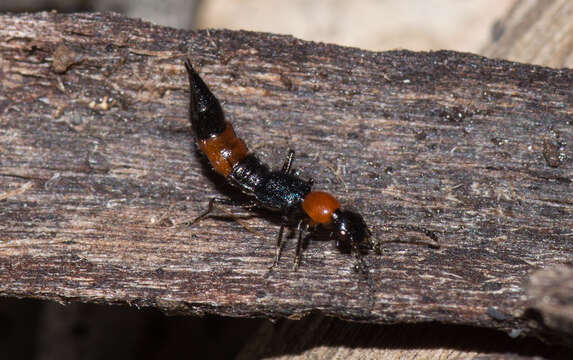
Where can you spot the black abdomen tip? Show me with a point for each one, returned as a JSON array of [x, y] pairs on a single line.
[[205, 113]]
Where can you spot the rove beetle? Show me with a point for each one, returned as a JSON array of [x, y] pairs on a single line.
[[282, 191]]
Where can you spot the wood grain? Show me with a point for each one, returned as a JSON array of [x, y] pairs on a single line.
[[98, 173]]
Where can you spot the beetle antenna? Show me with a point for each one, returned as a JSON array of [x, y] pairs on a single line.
[[428, 238]]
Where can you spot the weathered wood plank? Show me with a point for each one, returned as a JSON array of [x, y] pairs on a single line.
[[95, 194]]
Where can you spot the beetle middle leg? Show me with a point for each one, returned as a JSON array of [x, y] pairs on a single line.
[[279, 243], [223, 201], [301, 227], [288, 162]]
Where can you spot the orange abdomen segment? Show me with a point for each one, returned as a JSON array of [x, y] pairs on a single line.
[[319, 206], [224, 150]]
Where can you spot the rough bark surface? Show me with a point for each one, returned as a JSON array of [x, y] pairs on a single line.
[[98, 173]]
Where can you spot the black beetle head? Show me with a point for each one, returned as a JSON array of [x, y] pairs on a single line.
[[350, 230]]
